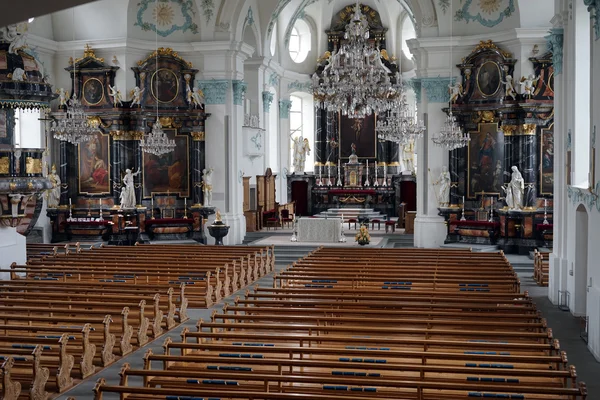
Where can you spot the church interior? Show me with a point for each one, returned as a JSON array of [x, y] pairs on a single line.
[[299, 199]]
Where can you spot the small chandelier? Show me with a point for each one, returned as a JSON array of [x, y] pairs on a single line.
[[355, 81], [451, 136], [75, 127], [157, 142], [399, 126]]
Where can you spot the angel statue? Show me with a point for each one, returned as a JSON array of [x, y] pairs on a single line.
[[197, 98], [509, 87], [529, 84], [136, 96], [455, 91], [115, 93], [63, 97]]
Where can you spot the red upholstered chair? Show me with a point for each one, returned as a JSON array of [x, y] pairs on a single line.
[[271, 219], [286, 217], [390, 224], [352, 221], [375, 221]]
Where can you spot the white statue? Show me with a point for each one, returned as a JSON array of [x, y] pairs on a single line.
[[136, 96], [53, 195], [19, 75], [207, 185], [301, 149], [19, 43], [115, 93], [63, 97], [529, 84], [408, 153], [9, 33], [197, 98], [509, 88], [128, 191], [514, 190], [444, 189], [456, 91]]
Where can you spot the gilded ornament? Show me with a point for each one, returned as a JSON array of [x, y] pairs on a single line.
[[12, 186], [95, 122], [165, 52], [489, 45], [509, 130], [529, 129], [33, 165], [30, 185], [4, 165], [484, 116], [126, 135], [198, 136], [88, 52]]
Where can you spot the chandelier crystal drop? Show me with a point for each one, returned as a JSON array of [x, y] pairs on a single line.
[[75, 127], [157, 142], [355, 81], [451, 136]]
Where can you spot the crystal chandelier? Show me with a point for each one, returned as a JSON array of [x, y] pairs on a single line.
[[157, 142], [75, 127], [355, 81], [399, 126], [451, 135]]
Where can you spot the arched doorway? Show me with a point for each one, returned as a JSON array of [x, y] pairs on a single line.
[[580, 269]]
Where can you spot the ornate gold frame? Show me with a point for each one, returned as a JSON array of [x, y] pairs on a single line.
[[153, 86], [499, 78], [102, 92]]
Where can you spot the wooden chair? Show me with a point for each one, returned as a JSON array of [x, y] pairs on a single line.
[[375, 221], [286, 217], [352, 221], [390, 224]]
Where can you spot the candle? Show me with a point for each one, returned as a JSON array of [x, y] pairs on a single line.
[[152, 202], [100, 203], [545, 203], [463, 201], [185, 203], [69, 203]]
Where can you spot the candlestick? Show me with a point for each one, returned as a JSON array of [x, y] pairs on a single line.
[[100, 203], [546, 213], [462, 218], [367, 183], [320, 177], [376, 183], [152, 207], [185, 208], [339, 175], [385, 176], [329, 175]]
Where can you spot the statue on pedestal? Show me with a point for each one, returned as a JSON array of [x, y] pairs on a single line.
[[207, 186], [136, 96], [514, 190], [353, 159], [408, 153], [53, 195], [301, 149], [444, 190], [128, 191]]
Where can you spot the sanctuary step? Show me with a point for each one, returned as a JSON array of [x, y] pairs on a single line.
[[400, 241], [352, 213]]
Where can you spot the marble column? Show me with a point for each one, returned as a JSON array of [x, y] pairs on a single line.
[[430, 228], [321, 145], [198, 157], [521, 150], [67, 171], [458, 173], [393, 161]]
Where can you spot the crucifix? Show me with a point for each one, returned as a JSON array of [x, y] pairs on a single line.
[[357, 126]]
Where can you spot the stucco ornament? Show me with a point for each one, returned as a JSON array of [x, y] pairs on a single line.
[[488, 13], [166, 16]]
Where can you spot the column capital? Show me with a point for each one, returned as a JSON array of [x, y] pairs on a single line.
[[415, 84], [215, 90], [239, 90], [301, 86], [555, 44], [284, 108], [267, 100], [436, 89], [594, 9]]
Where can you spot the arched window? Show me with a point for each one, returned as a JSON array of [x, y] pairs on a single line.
[[273, 44], [408, 33], [302, 122], [581, 107], [300, 41]]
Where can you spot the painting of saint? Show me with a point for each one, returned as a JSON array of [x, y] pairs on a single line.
[[361, 132], [165, 85], [3, 127], [168, 173], [93, 91], [94, 173], [486, 156], [489, 79]]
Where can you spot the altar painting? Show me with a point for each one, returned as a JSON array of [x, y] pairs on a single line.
[[168, 173], [486, 161], [360, 131], [547, 162], [94, 165]]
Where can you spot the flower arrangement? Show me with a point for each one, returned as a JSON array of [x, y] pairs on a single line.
[[362, 236]]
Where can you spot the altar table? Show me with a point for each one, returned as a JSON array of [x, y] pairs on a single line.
[[319, 229]]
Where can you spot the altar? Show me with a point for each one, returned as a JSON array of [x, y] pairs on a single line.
[[319, 230]]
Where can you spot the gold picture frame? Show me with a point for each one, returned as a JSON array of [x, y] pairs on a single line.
[[489, 79], [166, 89], [93, 91]]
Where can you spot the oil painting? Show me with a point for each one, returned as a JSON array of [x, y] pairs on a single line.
[[486, 161], [94, 165], [168, 173]]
